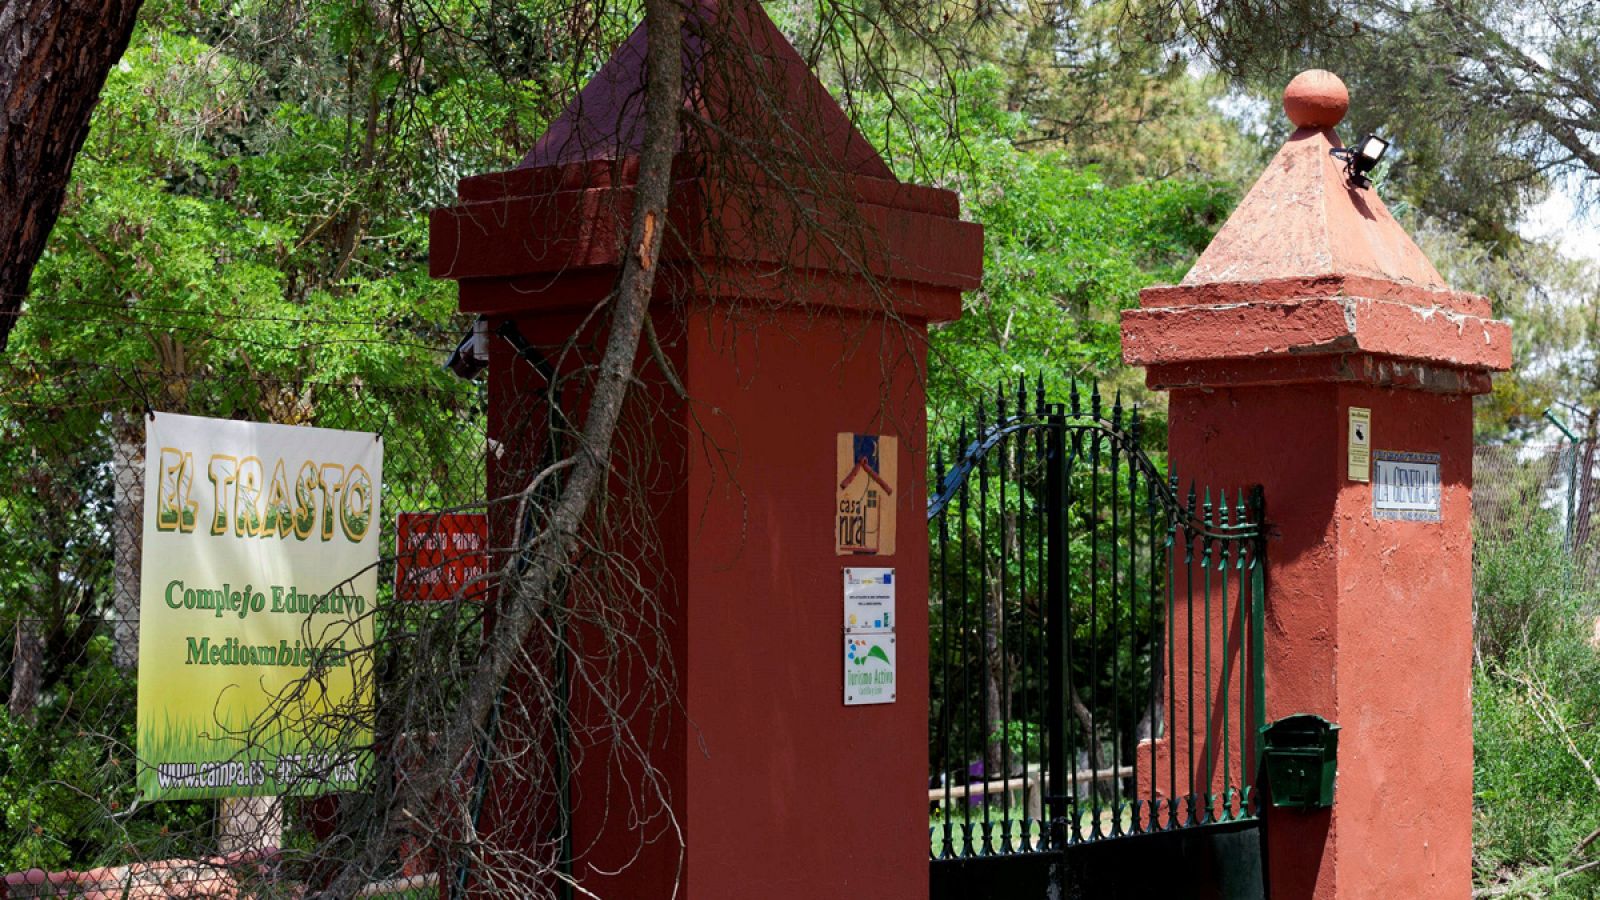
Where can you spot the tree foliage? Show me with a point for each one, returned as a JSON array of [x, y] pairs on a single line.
[[1066, 247], [1552, 303], [242, 235], [1488, 102]]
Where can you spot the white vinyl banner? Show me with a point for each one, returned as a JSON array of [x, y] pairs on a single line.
[[256, 605]]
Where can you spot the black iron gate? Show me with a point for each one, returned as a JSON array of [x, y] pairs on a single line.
[[1096, 647]]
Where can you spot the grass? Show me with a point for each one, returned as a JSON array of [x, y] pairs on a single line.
[[252, 753], [967, 826]]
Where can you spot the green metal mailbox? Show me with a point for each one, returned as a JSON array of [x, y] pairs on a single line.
[[1301, 753]]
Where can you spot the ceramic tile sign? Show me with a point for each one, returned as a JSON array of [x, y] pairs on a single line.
[[1359, 465], [865, 498], [869, 639], [1405, 486]]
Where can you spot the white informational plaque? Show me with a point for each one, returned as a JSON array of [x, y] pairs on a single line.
[[869, 638]]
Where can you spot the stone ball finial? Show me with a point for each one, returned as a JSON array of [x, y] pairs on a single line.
[[1316, 99]]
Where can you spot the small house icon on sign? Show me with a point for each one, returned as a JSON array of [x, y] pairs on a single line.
[[861, 498]]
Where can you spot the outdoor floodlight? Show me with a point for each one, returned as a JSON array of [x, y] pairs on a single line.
[[471, 356], [1360, 160], [526, 351]]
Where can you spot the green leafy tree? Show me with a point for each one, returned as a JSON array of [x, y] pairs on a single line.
[[1066, 250], [1489, 103], [224, 248], [241, 238]]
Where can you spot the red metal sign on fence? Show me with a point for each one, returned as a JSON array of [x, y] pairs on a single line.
[[438, 556]]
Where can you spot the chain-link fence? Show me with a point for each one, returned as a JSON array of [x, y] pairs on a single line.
[[72, 448], [481, 738], [1536, 559], [1550, 486]]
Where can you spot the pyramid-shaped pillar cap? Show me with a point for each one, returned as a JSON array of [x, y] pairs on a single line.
[[771, 176], [742, 82], [1312, 278]]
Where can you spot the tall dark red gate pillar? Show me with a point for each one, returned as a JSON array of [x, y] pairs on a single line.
[[791, 308], [1313, 349]]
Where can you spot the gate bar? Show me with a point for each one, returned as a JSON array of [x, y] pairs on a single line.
[[1056, 603]]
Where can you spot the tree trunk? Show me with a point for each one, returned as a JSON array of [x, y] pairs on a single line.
[[54, 56], [40, 653], [996, 683], [994, 762], [1086, 720], [551, 551], [1580, 555], [1586, 486], [246, 824], [1153, 717], [127, 526], [27, 670], [1097, 762]]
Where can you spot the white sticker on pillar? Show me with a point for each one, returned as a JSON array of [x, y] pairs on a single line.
[[868, 668], [869, 640], [868, 599], [1406, 486], [1360, 457]]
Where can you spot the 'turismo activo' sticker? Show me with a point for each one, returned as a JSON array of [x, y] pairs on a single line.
[[1405, 486]]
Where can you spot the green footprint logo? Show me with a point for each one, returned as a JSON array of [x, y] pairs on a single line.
[[875, 653]]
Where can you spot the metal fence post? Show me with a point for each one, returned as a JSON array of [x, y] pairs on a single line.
[[1572, 479], [1258, 617], [1056, 602]]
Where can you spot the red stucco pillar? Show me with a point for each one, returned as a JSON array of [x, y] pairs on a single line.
[[760, 781], [1312, 301]]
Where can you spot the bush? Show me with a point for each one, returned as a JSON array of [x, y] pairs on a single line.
[[67, 779], [1521, 594], [1536, 697]]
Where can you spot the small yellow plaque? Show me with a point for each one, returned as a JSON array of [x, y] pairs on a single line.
[[1360, 459]]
